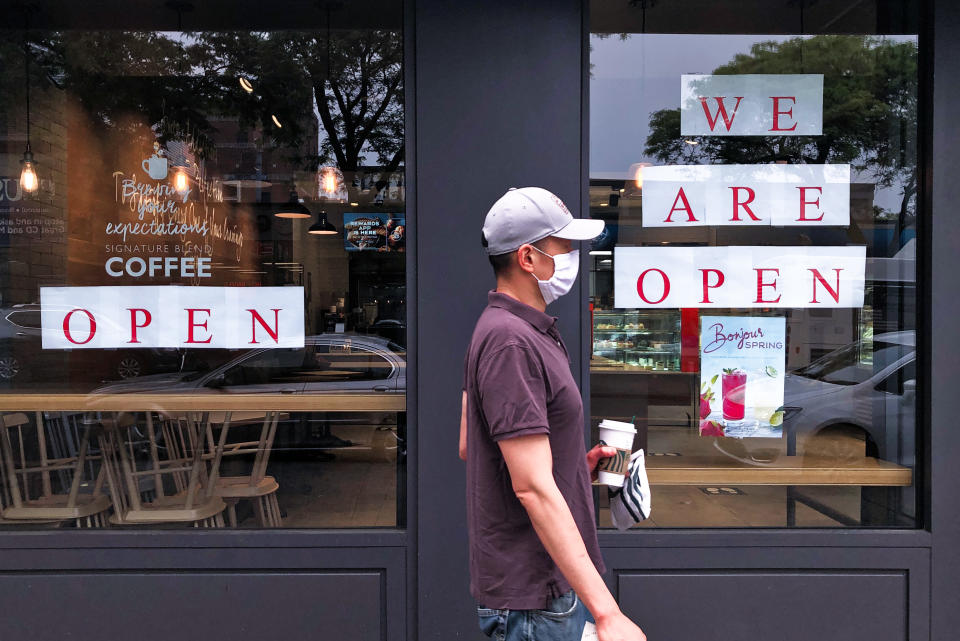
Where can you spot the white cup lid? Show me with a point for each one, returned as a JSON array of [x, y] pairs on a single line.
[[619, 426]]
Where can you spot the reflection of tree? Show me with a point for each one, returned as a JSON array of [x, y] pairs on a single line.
[[180, 83], [355, 86], [129, 82], [869, 112]]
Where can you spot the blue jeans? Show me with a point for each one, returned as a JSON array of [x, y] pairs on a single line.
[[563, 620]]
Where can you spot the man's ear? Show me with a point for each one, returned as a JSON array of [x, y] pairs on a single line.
[[525, 258]]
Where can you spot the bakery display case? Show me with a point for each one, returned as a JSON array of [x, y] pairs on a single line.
[[641, 340]]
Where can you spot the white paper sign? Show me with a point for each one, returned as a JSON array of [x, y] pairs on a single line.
[[739, 277], [165, 316], [742, 195], [751, 105]]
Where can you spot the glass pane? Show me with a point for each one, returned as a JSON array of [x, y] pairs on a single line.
[[202, 297], [752, 411]]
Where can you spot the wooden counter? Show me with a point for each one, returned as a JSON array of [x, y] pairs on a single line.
[[786, 470], [339, 402]]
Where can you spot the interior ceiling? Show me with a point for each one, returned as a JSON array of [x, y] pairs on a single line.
[[204, 14]]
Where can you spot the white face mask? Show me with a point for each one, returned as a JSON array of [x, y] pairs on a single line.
[[565, 269]]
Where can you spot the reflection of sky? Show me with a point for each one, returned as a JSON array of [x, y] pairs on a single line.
[[635, 77]]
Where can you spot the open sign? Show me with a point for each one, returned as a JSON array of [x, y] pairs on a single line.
[[198, 317]]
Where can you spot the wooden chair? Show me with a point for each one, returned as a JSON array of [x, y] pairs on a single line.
[[256, 486], [181, 461], [29, 474]]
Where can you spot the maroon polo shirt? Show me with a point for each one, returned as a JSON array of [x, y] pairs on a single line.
[[518, 382]]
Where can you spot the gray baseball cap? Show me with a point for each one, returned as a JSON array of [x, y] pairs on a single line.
[[529, 214]]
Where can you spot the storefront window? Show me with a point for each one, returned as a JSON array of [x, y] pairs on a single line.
[[203, 275], [754, 298]]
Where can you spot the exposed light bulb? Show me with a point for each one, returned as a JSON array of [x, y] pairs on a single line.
[[29, 182], [275, 121], [329, 183], [245, 84], [636, 173], [181, 181]]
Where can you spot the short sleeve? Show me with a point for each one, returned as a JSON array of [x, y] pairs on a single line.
[[513, 393]]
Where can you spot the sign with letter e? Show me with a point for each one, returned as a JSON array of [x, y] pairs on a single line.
[[751, 105]]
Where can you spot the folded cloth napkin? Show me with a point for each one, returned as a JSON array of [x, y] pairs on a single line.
[[631, 504]]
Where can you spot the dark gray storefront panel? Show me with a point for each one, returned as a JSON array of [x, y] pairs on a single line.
[[213, 606], [788, 594], [216, 594], [498, 106], [942, 263], [788, 605]]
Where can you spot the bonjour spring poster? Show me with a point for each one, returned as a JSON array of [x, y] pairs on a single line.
[[742, 361]]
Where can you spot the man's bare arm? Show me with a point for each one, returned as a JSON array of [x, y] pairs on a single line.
[[463, 427], [530, 463]]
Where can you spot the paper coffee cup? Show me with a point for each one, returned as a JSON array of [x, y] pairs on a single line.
[[619, 435]]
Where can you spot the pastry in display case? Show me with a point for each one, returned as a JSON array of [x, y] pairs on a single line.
[[636, 340]]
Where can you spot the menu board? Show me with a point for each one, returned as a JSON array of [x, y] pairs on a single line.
[[381, 231]]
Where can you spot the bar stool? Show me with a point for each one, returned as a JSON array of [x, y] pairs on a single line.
[[256, 486], [192, 501], [23, 473]]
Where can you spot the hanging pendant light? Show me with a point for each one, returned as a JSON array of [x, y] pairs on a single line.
[[29, 182], [293, 208], [330, 181], [322, 227], [181, 165]]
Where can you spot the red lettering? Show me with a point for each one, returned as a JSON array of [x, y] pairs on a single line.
[[66, 326], [686, 207], [737, 203], [834, 293], [666, 287], [134, 326], [191, 324], [256, 318], [804, 202], [706, 283], [777, 112], [761, 284], [721, 111]]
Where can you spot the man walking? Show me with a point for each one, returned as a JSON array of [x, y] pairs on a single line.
[[535, 563]]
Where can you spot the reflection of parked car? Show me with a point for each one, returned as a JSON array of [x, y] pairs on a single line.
[[391, 329], [326, 363], [868, 385], [22, 356]]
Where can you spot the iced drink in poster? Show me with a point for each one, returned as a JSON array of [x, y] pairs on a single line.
[[734, 388]]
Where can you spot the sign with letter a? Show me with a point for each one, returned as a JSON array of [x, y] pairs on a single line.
[[751, 105], [744, 195]]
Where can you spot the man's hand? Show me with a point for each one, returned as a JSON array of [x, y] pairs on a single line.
[[617, 627], [595, 454]]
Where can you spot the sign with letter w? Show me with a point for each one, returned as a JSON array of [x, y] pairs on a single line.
[[751, 105]]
